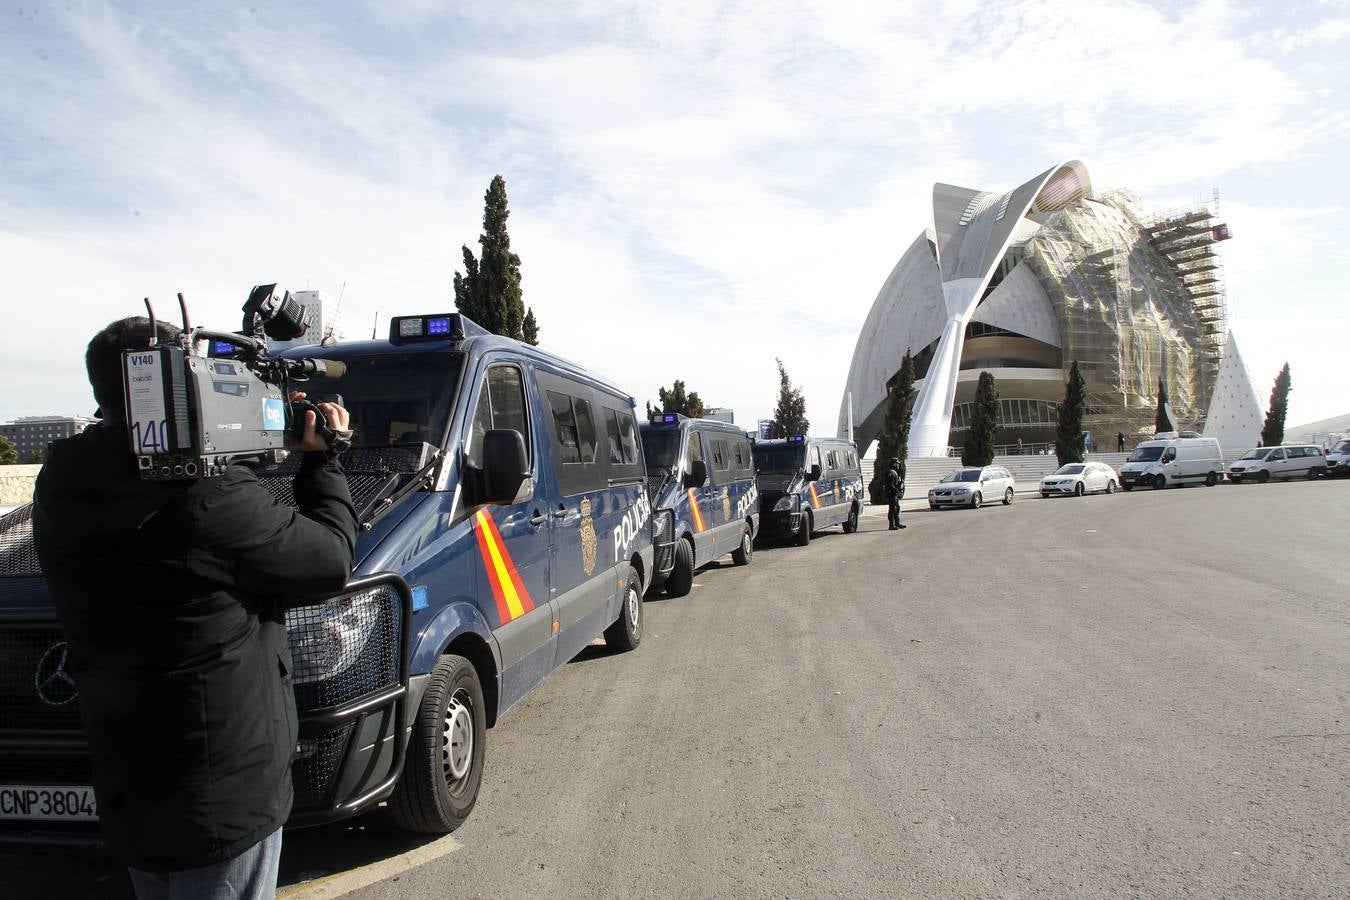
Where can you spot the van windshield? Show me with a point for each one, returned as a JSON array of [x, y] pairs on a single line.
[[1258, 453], [1342, 446], [1146, 454], [661, 447], [779, 457], [394, 398]]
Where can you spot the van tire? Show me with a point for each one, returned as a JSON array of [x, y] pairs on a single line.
[[1159, 482], [681, 578], [1263, 476], [429, 798], [803, 536], [742, 555], [851, 523], [625, 633], [1211, 479]]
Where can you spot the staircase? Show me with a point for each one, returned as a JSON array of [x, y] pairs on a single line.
[[1027, 470]]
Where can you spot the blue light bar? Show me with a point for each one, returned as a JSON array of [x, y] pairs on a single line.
[[438, 325], [798, 439]]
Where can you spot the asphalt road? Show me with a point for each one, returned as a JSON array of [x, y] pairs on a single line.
[[1144, 694]]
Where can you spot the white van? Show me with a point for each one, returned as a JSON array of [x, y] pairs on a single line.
[[1173, 460], [1289, 461]]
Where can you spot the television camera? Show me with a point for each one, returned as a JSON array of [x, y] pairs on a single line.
[[190, 415]]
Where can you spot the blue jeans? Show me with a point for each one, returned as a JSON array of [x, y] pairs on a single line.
[[252, 875]]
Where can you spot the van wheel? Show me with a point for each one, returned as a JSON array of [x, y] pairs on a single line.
[[1263, 476], [851, 523], [1078, 489], [742, 555], [1007, 496], [976, 500], [804, 530], [681, 578], [444, 765], [1211, 479], [1159, 482], [625, 633], [1111, 486]]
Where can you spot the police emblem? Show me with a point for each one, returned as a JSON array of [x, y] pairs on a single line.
[[836, 492], [726, 505], [589, 544]]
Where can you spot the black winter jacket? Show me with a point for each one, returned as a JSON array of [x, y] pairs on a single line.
[[172, 596], [894, 484]]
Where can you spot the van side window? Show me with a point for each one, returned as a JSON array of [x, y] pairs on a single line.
[[565, 427], [815, 456], [739, 451], [719, 451], [585, 429], [628, 439], [695, 446], [501, 404]]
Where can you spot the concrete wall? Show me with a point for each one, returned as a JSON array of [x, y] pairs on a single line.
[[16, 484]]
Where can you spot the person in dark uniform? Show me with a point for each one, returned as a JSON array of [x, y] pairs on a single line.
[[1120, 442], [895, 488], [173, 596]]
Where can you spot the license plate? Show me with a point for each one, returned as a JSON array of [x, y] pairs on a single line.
[[47, 803]]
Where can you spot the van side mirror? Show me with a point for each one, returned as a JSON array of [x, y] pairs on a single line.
[[814, 474], [698, 474], [505, 465]]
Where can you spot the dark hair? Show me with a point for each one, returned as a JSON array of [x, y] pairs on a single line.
[[103, 359]]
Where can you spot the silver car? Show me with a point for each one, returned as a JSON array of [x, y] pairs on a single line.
[[972, 487], [1079, 479]]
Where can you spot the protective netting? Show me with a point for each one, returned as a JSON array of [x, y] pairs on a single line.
[[345, 648], [18, 558]]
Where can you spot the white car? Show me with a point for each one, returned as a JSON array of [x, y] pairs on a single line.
[[972, 487], [1079, 479], [1265, 463]]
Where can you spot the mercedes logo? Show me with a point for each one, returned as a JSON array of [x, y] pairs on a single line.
[[53, 683]]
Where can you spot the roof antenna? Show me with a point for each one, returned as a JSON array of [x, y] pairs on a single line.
[[374, 326], [154, 329]]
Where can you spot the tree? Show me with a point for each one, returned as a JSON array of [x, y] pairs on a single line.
[[489, 290], [1069, 430], [529, 329], [8, 455], [1272, 432], [789, 417], [36, 457], [1162, 419], [984, 424], [893, 442], [676, 400]]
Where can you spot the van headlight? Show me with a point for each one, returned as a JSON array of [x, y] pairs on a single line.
[[785, 503], [663, 525], [327, 639]]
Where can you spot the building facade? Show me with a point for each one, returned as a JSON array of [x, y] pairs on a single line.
[[1023, 283], [30, 434]]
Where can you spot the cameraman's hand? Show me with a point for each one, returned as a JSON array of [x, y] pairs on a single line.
[[339, 419]]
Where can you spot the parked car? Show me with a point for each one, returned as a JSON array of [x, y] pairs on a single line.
[[806, 484], [972, 487], [701, 481], [1079, 479], [1265, 463], [1338, 459], [1166, 461]]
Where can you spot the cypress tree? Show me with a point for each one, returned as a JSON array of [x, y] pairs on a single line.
[[893, 442], [1162, 419], [1069, 420], [984, 424], [529, 329], [1272, 431], [489, 290], [789, 416]]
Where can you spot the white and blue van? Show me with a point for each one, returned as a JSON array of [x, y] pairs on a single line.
[[701, 481], [806, 484]]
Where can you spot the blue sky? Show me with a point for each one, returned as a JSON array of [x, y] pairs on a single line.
[[694, 189]]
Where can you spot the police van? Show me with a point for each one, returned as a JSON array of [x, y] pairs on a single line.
[[504, 525], [701, 481], [806, 484]]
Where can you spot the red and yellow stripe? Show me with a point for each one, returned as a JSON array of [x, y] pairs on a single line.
[[513, 601], [815, 498], [695, 511]]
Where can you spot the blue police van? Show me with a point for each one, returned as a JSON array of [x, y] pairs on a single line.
[[504, 525], [701, 481], [806, 484]]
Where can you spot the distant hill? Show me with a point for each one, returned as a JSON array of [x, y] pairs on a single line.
[[1316, 432]]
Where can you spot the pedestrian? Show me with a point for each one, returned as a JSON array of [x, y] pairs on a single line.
[[895, 489], [1019, 446], [172, 596], [1120, 442]]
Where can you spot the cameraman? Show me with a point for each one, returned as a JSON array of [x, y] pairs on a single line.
[[173, 597]]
